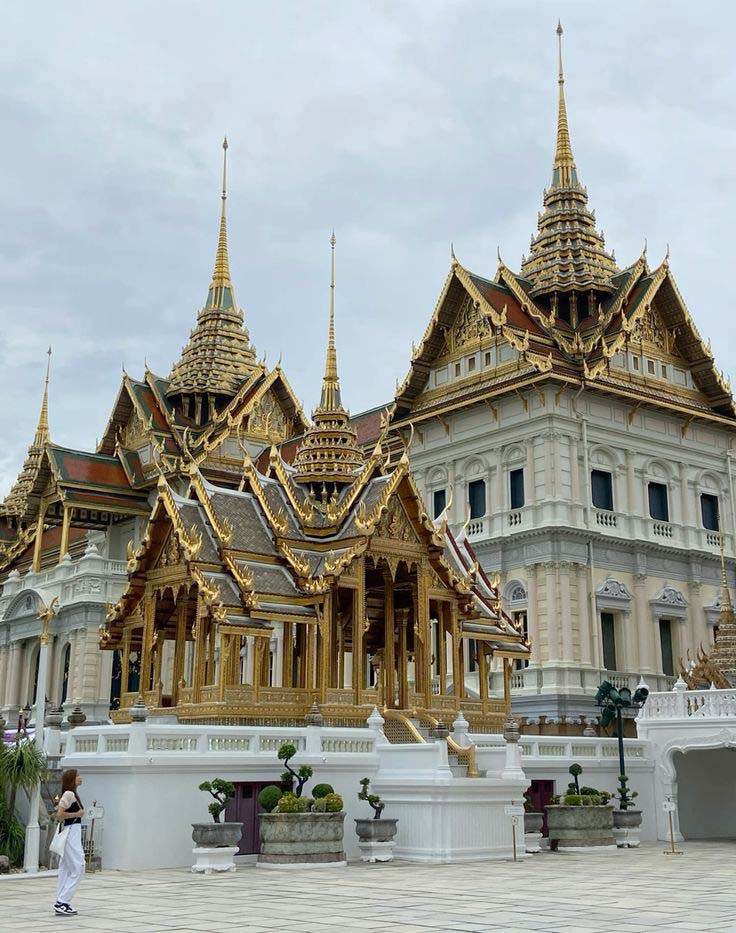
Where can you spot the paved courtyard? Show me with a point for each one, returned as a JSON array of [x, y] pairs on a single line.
[[624, 891]]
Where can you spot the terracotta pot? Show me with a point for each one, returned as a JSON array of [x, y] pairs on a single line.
[[215, 835]]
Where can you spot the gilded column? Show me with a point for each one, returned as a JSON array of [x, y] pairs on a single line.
[[149, 615], [458, 678], [38, 542], [358, 621], [389, 663], [179, 647], [424, 624], [402, 617], [199, 651], [124, 665], [325, 636], [64, 546]]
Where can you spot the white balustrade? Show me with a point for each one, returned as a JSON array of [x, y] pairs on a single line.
[[689, 704], [662, 529], [606, 519], [515, 518]]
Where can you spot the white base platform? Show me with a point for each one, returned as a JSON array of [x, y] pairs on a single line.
[[627, 838], [533, 842], [207, 860], [288, 866], [377, 851]]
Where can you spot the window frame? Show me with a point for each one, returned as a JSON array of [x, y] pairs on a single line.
[[651, 485], [516, 473], [477, 484], [608, 644], [435, 493], [596, 472], [716, 500]]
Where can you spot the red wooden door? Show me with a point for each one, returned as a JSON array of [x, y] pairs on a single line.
[[244, 808], [540, 794]]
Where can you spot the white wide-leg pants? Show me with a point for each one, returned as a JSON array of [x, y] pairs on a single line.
[[71, 866]]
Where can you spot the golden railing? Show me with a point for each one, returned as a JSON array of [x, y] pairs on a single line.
[[399, 729], [465, 753]]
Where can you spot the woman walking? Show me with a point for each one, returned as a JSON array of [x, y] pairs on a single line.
[[71, 867]]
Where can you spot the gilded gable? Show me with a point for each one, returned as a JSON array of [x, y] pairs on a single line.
[[470, 326], [267, 420], [395, 525]]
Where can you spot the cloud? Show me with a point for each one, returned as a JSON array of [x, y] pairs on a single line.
[[403, 125]]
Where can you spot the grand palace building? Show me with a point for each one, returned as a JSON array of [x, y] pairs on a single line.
[[543, 504]]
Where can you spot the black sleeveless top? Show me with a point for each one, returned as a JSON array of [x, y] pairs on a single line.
[[73, 808]]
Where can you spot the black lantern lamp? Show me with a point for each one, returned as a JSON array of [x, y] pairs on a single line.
[[612, 702]]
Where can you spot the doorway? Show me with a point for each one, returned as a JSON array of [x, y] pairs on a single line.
[[541, 793], [244, 808]]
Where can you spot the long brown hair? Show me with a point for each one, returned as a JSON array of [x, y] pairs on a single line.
[[69, 782]]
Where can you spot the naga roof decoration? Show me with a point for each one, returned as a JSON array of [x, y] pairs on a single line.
[[219, 356], [329, 452]]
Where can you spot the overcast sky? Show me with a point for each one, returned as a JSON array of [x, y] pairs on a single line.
[[405, 125]]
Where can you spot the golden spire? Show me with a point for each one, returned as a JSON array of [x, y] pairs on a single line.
[[329, 452], [726, 604], [564, 173], [330, 400], [221, 274], [568, 253], [42, 431], [218, 357]]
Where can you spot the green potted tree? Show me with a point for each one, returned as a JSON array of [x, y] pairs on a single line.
[[626, 818], [533, 823], [583, 819], [375, 835], [216, 843], [296, 829]]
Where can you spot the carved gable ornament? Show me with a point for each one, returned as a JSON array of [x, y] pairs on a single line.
[[612, 594], [395, 525], [669, 602], [171, 552], [470, 326], [267, 420], [650, 329]]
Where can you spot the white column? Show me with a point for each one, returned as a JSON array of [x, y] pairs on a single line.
[[12, 693], [33, 830], [4, 658]]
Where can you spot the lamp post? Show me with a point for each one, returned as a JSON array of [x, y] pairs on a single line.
[[612, 702], [33, 829]]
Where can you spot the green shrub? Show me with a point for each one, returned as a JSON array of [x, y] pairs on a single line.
[[589, 791], [320, 805], [290, 803], [333, 803], [573, 800], [222, 791], [269, 797], [285, 753], [322, 790]]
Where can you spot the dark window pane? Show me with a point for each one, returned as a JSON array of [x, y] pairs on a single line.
[[602, 489], [709, 510], [608, 628], [665, 640], [658, 507], [477, 498], [439, 501], [516, 478]]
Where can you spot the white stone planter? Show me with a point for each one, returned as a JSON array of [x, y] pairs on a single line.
[[304, 840], [533, 823], [579, 827], [627, 828], [376, 839], [215, 845]]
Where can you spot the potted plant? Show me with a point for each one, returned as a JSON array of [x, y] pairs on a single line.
[[533, 822], [376, 835], [216, 843], [626, 819], [300, 830], [583, 819]]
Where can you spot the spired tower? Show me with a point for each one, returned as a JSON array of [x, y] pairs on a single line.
[[219, 357], [329, 456], [568, 267]]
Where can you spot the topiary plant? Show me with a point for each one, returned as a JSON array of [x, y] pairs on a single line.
[[322, 790], [269, 797], [625, 796], [373, 799], [575, 770], [320, 805], [290, 803], [222, 791], [333, 803], [285, 754]]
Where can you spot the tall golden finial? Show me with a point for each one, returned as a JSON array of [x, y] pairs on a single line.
[[331, 383], [42, 431], [726, 604], [221, 275], [563, 174]]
